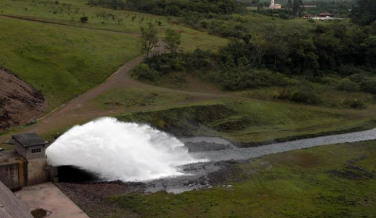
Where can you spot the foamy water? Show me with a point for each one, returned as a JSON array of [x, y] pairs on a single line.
[[120, 151]]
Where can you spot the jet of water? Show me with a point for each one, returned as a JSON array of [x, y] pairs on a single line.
[[120, 151]]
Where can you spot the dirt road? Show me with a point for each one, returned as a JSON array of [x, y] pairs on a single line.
[[80, 111]]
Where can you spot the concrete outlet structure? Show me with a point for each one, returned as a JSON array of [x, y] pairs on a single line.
[[27, 165]]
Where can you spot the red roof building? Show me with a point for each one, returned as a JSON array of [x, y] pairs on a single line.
[[326, 14]]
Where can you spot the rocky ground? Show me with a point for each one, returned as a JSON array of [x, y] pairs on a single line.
[[91, 196], [20, 103]]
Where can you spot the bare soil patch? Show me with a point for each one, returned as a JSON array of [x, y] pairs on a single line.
[[20, 103]]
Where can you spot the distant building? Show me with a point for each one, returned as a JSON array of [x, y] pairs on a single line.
[[274, 6], [309, 16], [308, 6], [326, 14]]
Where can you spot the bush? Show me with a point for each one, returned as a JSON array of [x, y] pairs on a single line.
[[358, 78], [301, 95], [143, 72], [354, 103], [305, 96], [84, 19], [348, 85], [369, 85], [238, 79]]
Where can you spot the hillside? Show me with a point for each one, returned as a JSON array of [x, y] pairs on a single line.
[[19, 102]]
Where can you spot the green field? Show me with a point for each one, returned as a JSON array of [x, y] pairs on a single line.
[[69, 13], [65, 61], [61, 61], [329, 181], [131, 98]]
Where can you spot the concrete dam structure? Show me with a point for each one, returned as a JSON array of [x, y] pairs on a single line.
[[27, 164]]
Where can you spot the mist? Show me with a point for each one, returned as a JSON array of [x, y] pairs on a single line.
[[115, 150]]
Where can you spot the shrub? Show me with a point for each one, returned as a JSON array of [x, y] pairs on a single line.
[[369, 85], [84, 19], [354, 103], [301, 95], [143, 72], [304, 95], [348, 85], [238, 79], [358, 78]]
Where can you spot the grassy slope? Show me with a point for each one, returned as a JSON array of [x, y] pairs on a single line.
[[69, 12], [62, 61], [131, 98], [250, 121], [331, 181], [65, 61]]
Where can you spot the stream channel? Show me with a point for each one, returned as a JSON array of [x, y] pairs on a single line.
[[221, 154]]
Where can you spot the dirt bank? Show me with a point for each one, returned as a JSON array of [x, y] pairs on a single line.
[[20, 103]]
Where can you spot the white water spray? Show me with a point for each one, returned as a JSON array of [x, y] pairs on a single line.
[[120, 151]]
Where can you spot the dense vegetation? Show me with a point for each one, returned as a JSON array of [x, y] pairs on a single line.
[[173, 7], [345, 50], [338, 54], [364, 12]]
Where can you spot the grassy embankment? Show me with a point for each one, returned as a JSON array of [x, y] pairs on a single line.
[[69, 13], [330, 181], [64, 61], [252, 122]]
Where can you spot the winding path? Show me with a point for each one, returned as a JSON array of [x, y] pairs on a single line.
[[73, 112], [79, 109]]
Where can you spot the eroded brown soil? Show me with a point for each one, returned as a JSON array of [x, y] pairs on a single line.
[[20, 103]]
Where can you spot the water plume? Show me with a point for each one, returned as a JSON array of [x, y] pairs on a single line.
[[120, 151]]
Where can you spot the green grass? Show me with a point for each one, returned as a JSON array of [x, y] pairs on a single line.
[[65, 61], [69, 12], [299, 183], [61, 61], [250, 121], [128, 98]]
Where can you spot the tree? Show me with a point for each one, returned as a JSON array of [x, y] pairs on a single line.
[[149, 39], [364, 12], [289, 5], [172, 40], [296, 10]]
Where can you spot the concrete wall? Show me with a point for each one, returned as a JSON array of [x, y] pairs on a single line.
[[20, 149], [37, 171], [27, 152], [13, 175], [9, 175]]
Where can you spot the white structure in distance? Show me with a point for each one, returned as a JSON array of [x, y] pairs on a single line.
[[274, 6]]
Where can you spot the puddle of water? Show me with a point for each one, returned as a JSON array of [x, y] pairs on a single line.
[[40, 213]]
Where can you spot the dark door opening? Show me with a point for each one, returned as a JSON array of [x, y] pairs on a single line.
[[72, 174]]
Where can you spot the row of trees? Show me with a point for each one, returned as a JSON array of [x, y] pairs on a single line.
[[337, 48], [172, 7]]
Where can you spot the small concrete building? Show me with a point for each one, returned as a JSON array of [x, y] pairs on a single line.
[[27, 165], [30, 146], [33, 149]]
